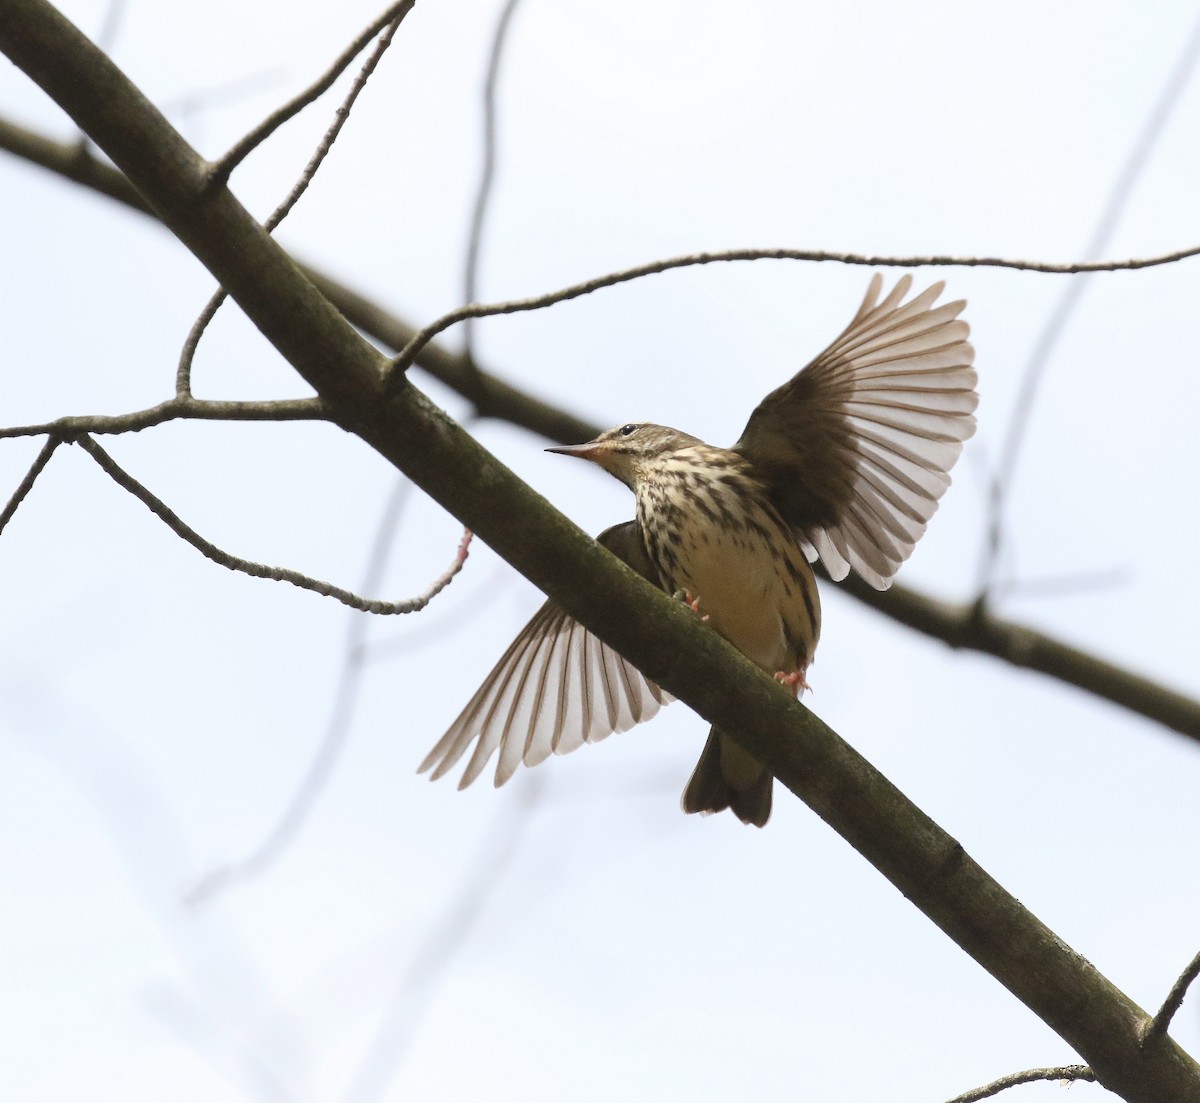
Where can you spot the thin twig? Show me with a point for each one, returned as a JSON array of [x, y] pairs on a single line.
[[106, 36], [487, 175], [205, 97], [1029, 1076], [175, 409], [445, 625], [451, 931], [1139, 156], [187, 354], [337, 730], [26, 484], [183, 373], [259, 570], [1065, 585], [971, 626], [341, 115], [220, 171], [1160, 1022], [513, 306]]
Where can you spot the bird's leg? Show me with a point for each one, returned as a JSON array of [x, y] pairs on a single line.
[[692, 603], [794, 681]]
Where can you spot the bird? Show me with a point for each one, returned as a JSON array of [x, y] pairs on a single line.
[[844, 463]]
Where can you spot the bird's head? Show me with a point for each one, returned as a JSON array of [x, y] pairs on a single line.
[[629, 451]]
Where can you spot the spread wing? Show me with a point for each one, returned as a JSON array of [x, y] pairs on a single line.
[[555, 688], [857, 448]]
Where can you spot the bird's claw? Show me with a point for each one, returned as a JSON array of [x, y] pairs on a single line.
[[692, 603], [794, 681]]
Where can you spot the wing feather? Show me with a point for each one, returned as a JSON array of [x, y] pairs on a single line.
[[556, 687], [857, 448]]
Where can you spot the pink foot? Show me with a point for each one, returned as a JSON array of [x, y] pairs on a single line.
[[692, 603], [794, 681]]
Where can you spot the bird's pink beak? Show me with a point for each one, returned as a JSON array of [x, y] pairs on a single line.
[[588, 451]]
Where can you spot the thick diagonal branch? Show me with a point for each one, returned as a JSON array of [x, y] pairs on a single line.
[[658, 635]]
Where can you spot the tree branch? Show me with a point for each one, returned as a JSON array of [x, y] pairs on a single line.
[[408, 354], [1174, 1000], [1069, 1073], [334, 739], [973, 628], [175, 409], [220, 170], [183, 373], [259, 570], [654, 632], [1136, 160], [26, 484], [493, 397]]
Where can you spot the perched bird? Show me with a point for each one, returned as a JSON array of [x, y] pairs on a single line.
[[844, 463]]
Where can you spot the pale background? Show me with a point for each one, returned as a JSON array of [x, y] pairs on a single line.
[[573, 935]]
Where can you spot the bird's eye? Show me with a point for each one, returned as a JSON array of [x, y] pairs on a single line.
[[627, 430]]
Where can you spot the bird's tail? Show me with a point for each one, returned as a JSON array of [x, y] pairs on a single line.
[[728, 777]]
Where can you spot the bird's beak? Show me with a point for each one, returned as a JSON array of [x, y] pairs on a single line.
[[587, 451], [602, 453]]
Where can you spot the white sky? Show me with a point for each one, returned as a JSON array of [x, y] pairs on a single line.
[[574, 935]]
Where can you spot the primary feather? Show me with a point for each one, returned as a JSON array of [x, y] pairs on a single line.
[[857, 447]]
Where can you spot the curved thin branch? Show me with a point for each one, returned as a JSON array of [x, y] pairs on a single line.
[[1138, 157], [221, 169], [487, 174], [445, 938], [26, 484], [972, 628], [1174, 1001], [490, 395], [333, 741], [408, 354], [259, 570], [654, 632], [1069, 1073], [183, 372], [187, 354]]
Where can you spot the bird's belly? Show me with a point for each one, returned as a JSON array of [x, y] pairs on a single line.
[[765, 611]]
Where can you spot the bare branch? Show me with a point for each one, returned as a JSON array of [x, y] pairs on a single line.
[[1067, 1073], [1136, 160], [1159, 1024], [26, 484], [175, 409], [187, 354], [409, 353], [220, 171], [107, 34], [341, 116], [259, 570], [434, 958], [183, 373], [488, 173], [973, 628], [491, 396], [337, 730]]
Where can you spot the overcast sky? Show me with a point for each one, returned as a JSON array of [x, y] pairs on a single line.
[[573, 935]]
